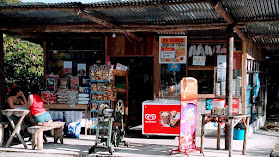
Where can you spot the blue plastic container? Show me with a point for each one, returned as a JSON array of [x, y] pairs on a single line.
[[238, 133]]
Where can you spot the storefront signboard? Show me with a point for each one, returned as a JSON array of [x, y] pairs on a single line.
[[199, 60], [172, 49]]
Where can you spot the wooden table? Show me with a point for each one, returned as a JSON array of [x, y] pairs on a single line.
[[68, 107], [16, 131], [232, 120]]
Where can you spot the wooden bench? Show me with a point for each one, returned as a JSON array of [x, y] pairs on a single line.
[[37, 133], [3, 125]]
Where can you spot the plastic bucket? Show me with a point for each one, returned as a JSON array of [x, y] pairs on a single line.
[[238, 134]]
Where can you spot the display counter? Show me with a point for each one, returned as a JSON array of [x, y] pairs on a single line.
[[160, 117]]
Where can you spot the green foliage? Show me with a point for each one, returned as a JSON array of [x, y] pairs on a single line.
[[23, 63], [10, 1]]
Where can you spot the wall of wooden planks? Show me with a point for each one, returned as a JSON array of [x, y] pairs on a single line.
[[253, 51], [121, 46]]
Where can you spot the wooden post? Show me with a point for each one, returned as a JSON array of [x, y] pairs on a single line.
[[245, 135], [40, 140], [218, 135], [231, 137], [229, 79], [2, 75], [244, 72], [202, 132], [156, 67]]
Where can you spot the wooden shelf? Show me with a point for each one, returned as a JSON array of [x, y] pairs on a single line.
[[121, 90], [119, 72], [200, 67], [66, 106], [201, 96], [223, 97]]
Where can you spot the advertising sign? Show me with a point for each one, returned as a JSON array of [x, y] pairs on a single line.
[[189, 91], [161, 119], [221, 67], [174, 67], [68, 66], [172, 49], [188, 101], [237, 59], [235, 105], [199, 60]]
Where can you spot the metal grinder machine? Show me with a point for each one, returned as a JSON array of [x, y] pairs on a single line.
[[115, 134]]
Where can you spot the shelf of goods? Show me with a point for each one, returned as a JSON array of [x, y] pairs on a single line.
[[102, 91], [123, 91]]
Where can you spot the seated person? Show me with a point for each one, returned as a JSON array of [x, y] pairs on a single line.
[[37, 110], [17, 100]]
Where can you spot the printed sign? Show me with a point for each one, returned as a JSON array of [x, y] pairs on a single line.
[[174, 67], [161, 119], [237, 59], [172, 49], [221, 67], [187, 136], [199, 60], [81, 67], [68, 67], [235, 105]]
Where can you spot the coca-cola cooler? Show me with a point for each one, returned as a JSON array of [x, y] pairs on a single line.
[[161, 117]]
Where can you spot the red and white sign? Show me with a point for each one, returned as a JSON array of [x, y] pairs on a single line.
[[160, 119]]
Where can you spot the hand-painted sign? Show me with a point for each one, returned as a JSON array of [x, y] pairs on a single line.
[[172, 49]]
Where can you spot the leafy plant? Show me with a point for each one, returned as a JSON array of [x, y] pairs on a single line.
[[23, 63]]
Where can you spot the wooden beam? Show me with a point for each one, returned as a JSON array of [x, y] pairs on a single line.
[[90, 17], [93, 24], [2, 75], [110, 30], [240, 33], [221, 10]]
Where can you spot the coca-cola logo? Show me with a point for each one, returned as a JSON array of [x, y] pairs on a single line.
[[150, 116]]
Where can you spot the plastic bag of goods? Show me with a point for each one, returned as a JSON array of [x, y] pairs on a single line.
[[74, 129]]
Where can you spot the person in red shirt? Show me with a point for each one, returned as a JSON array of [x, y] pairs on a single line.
[[37, 110]]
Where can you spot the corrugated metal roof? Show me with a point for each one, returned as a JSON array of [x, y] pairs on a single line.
[[244, 10], [264, 28], [262, 15], [167, 14], [45, 17], [179, 13]]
